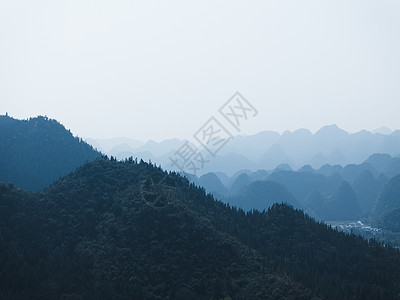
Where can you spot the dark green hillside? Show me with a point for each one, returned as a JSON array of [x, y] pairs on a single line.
[[114, 230], [38, 151], [119, 230]]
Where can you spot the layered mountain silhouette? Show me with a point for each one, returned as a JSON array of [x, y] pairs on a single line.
[[261, 195], [330, 193], [123, 230], [212, 184], [387, 208], [266, 150], [130, 230], [368, 188], [38, 151]]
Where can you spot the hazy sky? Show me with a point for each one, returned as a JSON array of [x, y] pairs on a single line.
[[160, 69]]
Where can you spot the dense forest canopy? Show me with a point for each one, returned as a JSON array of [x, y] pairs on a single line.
[[126, 229], [38, 151]]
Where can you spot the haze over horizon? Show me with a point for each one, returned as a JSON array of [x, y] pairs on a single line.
[[381, 130], [150, 70], [200, 149]]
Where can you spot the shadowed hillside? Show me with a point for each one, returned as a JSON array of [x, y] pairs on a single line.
[[122, 230], [38, 151]]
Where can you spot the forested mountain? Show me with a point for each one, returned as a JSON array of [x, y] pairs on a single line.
[[126, 230], [38, 151]]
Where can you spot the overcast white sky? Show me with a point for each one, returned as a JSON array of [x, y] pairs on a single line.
[[160, 69]]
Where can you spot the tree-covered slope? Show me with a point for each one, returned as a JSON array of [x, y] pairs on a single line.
[[38, 151], [115, 231], [129, 230]]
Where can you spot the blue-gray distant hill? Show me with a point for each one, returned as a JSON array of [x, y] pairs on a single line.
[[387, 208], [330, 193], [267, 150], [38, 151]]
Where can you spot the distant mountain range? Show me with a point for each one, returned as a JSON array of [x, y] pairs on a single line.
[[38, 151], [128, 229], [330, 193], [268, 149]]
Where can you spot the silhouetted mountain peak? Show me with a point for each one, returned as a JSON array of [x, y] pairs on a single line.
[[37, 151], [390, 197], [395, 133], [378, 160], [302, 132], [347, 205], [241, 181], [298, 133], [332, 131], [382, 130], [212, 184], [306, 168], [262, 194], [362, 133], [283, 167]]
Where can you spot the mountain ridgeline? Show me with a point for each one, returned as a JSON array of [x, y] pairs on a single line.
[[268, 149], [130, 230], [38, 151], [330, 193], [387, 208], [126, 230]]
